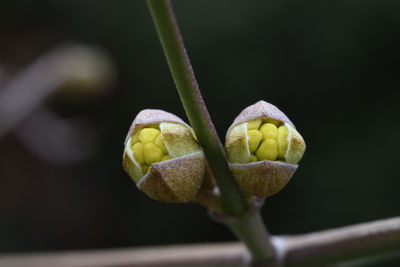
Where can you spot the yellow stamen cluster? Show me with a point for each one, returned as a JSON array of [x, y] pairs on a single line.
[[267, 140], [148, 147]]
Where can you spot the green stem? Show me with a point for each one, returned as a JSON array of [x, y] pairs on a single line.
[[251, 230], [193, 103], [245, 223]]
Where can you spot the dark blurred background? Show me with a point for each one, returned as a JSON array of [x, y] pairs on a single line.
[[332, 66]]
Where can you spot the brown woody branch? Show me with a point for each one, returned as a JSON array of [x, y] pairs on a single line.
[[349, 243]]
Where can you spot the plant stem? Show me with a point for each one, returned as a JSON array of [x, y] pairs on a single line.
[[246, 224], [193, 103], [374, 241], [364, 240], [251, 230]]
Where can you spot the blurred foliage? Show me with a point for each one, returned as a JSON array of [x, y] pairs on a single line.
[[332, 66]]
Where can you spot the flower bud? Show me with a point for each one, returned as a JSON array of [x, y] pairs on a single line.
[[263, 147], [163, 157]]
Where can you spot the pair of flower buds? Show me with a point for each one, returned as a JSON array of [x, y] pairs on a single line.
[[164, 159]]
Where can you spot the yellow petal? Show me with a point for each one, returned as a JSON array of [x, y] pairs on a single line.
[[268, 150], [282, 141], [148, 135], [152, 153], [254, 124], [138, 153], [254, 139], [269, 131]]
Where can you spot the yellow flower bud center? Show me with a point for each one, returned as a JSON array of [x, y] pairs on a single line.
[[152, 153], [269, 131], [254, 124], [282, 141], [255, 138], [135, 138], [148, 147], [267, 140], [267, 150], [148, 135], [138, 152], [160, 144]]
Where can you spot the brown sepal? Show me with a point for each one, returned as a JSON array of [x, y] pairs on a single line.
[[263, 110], [176, 180], [152, 117], [262, 178]]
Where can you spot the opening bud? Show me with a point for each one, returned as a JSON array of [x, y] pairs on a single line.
[[163, 157], [263, 147]]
